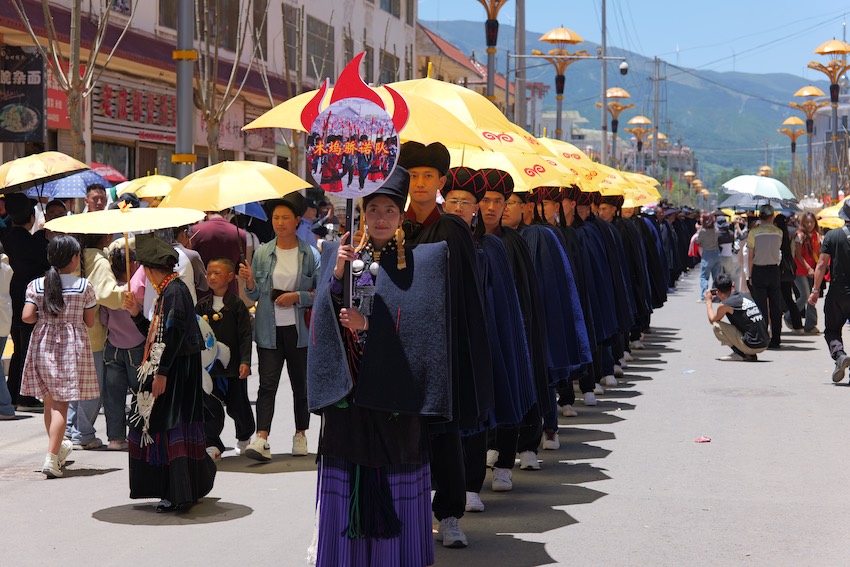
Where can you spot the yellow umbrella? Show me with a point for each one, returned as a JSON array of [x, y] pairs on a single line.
[[36, 169], [232, 183], [150, 186], [528, 170], [495, 131], [576, 161], [831, 222], [829, 218], [427, 121]]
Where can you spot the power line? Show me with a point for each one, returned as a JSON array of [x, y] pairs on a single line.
[[719, 84]]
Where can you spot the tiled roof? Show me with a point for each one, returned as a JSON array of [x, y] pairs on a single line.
[[449, 50]]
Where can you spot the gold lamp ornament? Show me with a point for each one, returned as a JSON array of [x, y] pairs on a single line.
[[560, 58], [809, 107], [615, 108]]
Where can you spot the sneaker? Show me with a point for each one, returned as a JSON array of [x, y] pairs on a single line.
[[528, 461], [492, 457], [93, 444], [214, 453], [4, 417], [812, 331], [64, 451], [623, 363], [840, 366], [450, 534], [259, 450], [734, 357], [751, 358], [51, 466], [568, 411], [627, 356], [618, 371], [598, 390], [473, 502], [241, 446], [117, 445], [589, 399], [35, 407], [798, 331], [774, 347], [551, 441], [610, 381], [502, 480], [636, 345], [299, 445]]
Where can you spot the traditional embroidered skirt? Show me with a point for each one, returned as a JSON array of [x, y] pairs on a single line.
[[410, 486]]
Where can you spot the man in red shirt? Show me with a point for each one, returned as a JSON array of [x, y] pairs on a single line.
[[216, 237]]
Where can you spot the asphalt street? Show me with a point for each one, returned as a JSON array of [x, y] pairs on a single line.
[[629, 485]]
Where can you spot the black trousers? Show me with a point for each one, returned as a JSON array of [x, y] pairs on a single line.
[[270, 361], [20, 333], [767, 294], [790, 305], [234, 399], [474, 461], [448, 477], [509, 441], [836, 311]]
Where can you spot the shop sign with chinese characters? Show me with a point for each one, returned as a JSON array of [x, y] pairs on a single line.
[[22, 96], [124, 108]]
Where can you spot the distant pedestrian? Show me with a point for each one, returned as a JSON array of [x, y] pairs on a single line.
[[806, 253], [765, 254], [59, 366]]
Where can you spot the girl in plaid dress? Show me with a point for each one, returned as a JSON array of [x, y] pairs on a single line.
[[59, 365]]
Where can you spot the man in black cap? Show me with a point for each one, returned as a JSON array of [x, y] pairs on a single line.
[[765, 254], [835, 254], [28, 257]]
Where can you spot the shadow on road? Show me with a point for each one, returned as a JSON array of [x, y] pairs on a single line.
[[206, 511], [280, 463]]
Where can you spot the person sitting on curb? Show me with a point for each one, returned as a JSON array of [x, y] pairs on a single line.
[[746, 331]]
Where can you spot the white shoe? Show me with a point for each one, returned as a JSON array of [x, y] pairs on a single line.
[[502, 480], [568, 411], [241, 446], [214, 453], [473, 502], [299, 445], [598, 390], [259, 450], [64, 451], [550, 441], [528, 461], [589, 399], [618, 371], [492, 457], [51, 466], [623, 363], [636, 345], [450, 534], [609, 381], [627, 356]]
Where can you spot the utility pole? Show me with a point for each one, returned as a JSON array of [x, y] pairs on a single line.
[[656, 80], [520, 104], [185, 55], [603, 151]]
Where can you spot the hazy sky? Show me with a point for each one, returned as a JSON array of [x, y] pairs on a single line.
[[721, 35]]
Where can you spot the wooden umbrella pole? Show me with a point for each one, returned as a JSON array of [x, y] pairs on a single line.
[[127, 258], [348, 283]]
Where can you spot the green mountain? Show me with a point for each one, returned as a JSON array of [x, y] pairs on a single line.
[[727, 118]]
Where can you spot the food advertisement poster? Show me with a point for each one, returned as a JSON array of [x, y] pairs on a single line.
[[22, 93]]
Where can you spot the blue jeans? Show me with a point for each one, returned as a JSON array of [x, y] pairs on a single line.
[[6, 407], [709, 267], [804, 286], [82, 414], [122, 366]]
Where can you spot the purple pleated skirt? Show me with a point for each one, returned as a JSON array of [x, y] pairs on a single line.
[[410, 486]]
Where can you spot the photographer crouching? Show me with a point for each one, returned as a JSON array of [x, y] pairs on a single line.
[[746, 331]]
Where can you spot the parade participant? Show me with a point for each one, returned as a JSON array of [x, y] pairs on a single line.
[[59, 366], [632, 229], [376, 383], [765, 254], [168, 458], [746, 331], [835, 254], [806, 253], [364, 159], [28, 258], [282, 277], [650, 230], [471, 370], [231, 323]]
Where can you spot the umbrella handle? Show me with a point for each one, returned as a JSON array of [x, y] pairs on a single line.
[[127, 258]]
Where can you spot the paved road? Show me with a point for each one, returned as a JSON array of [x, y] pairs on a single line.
[[628, 487]]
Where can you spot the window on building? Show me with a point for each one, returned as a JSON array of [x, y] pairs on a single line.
[[261, 25], [320, 49], [389, 67], [168, 14], [291, 14], [221, 22], [391, 6], [122, 6], [369, 64], [409, 12], [408, 66], [347, 47]]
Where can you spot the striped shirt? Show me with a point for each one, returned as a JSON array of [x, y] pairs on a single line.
[[765, 244]]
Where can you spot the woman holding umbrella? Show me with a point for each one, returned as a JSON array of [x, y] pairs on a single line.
[[282, 277]]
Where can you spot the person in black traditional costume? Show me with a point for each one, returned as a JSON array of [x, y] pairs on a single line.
[[471, 368], [376, 383], [167, 446]]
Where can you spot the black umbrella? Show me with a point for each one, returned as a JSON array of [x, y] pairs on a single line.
[[745, 202]]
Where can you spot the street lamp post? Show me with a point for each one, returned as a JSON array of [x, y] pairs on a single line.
[[809, 108], [689, 177], [837, 51], [491, 33], [641, 128], [615, 108], [560, 58], [793, 134]]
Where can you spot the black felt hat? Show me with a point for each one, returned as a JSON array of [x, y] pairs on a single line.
[[154, 252], [395, 187], [571, 192], [584, 198], [295, 202], [415, 154], [465, 179], [498, 181], [615, 200], [541, 194], [523, 195]]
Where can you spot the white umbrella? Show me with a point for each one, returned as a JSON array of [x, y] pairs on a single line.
[[758, 186]]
